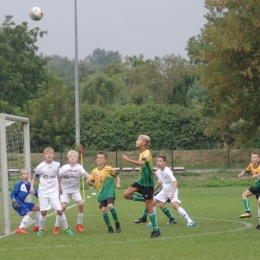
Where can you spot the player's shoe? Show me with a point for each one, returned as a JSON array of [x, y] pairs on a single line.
[[20, 231], [110, 230], [149, 224], [40, 232], [118, 228], [141, 220], [155, 234], [36, 229], [245, 215], [56, 230], [68, 232], [79, 227], [172, 221], [257, 227], [191, 224]]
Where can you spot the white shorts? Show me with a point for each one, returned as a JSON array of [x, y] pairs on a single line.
[[47, 203], [76, 196], [163, 197]]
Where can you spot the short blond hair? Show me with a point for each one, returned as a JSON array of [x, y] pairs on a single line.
[[48, 149], [22, 170], [72, 152], [145, 138]]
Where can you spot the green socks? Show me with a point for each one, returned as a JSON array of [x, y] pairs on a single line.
[[114, 214], [153, 221], [246, 205], [167, 212], [137, 197], [106, 219]]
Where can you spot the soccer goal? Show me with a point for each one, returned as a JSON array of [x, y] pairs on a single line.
[[14, 156]]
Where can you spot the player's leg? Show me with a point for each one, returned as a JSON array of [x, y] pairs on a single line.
[[162, 198], [56, 205], [130, 194], [78, 199], [27, 214], [183, 213], [44, 203], [64, 198], [143, 219], [103, 207], [111, 207], [245, 196], [36, 208]]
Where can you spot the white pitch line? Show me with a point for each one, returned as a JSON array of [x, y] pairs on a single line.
[[91, 243]]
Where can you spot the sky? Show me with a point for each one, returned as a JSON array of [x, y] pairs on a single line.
[[135, 27]]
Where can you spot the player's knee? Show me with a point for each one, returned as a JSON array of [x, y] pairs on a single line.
[[127, 195]]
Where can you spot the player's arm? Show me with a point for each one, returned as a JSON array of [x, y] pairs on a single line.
[[33, 183], [118, 182], [87, 175], [175, 183], [157, 185], [139, 163], [14, 192], [241, 174], [90, 181]]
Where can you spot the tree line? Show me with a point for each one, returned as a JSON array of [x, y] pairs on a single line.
[[203, 102]]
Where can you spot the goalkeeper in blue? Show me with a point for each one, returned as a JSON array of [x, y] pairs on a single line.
[[24, 209], [169, 192]]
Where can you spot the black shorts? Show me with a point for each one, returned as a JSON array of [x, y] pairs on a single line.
[[103, 203], [254, 191], [147, 192]]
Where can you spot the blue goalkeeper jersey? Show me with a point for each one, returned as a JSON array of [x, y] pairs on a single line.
[[21, 190]]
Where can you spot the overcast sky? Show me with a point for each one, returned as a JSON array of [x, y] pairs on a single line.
[[148, 27]]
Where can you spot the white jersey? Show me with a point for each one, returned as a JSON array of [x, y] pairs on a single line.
[[166, 178], [70, 177], [48, 179]]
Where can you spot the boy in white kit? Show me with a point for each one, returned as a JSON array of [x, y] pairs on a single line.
[[49, 189], [70, 175]]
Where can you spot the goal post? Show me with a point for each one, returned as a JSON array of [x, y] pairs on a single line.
[[4, 166]]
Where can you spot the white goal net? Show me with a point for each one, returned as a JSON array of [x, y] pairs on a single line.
[[14, 156]]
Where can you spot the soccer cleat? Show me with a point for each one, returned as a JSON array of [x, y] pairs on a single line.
[[79, 227], [68, 232], [190, 224], [56, 230], [118, 228], [172, 221], [110, 230], [155, 234], [149, 224], [40, 232], [258, 227], [141, 220], [245, 215], [20, 231], [36, 229]]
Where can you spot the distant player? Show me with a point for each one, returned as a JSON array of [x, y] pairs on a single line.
[[254, 169], [103, 177], [49, 189], [23, 208], [70, 175]]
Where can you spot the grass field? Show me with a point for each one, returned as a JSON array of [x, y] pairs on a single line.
[[218, 234]]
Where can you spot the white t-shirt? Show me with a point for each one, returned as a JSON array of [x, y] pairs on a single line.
[[166, 178], [48, 180], [70, 177]]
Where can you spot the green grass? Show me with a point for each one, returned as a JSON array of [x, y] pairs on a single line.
[[218, 234]]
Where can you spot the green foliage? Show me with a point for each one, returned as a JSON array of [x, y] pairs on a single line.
[[21, 70]]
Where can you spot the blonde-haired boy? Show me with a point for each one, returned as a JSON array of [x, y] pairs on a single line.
[[145, 184], [49, 189], [70, 175]]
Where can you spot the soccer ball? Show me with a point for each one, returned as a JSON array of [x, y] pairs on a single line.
[[36, 13]]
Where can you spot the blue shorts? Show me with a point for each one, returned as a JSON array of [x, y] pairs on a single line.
[[25, 207]]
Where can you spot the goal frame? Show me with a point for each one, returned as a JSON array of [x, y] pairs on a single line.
[[4, 163]]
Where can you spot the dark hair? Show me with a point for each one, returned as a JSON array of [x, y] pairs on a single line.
[[256, 153], [162, 157], [100, 152]]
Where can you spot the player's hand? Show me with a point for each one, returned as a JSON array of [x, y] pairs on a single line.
[[61, 191], [254, 177], [118, 186], [32, 191], [124, 157], [16, 205], [239, 175]]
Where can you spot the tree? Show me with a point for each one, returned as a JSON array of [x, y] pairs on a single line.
[[102, 57], [21, 69], [232, 71]]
